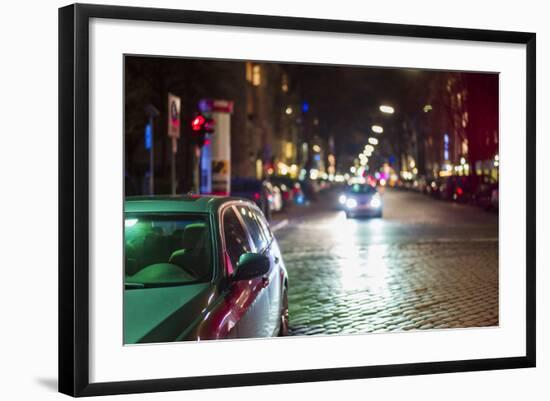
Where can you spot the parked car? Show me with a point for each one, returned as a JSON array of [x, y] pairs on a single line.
[[256, 190], [200, 268], [362, 200], [291, 190], [432, 187], [276, 203], [456, 188], [485, 191]]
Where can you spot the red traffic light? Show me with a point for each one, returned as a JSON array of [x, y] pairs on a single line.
[[202, 125], [198, 123]]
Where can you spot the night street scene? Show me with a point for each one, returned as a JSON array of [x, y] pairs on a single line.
[[280, 199]]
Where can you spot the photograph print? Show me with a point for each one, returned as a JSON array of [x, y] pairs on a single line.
[[271, 199]]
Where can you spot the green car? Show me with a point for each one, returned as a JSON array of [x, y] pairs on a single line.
[[201, 268]]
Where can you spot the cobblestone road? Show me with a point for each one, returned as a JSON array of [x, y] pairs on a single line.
[[426, 264]]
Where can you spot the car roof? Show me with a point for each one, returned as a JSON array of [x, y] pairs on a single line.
[[178, 203]]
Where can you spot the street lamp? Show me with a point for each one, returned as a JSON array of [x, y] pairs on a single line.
[[377, 129], [386, 109]]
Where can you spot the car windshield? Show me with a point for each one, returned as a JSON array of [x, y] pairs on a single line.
[[163, 250], [362, 189]]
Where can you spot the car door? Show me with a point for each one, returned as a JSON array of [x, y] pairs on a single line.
[[271, 282], [247, 299]]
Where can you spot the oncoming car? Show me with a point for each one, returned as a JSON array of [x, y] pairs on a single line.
[[201, 268], [361, 200]]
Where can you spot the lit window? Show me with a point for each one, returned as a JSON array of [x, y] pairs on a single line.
[[249, 72], [256, 75]]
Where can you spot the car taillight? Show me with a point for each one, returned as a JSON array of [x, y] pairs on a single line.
[[256, 195]]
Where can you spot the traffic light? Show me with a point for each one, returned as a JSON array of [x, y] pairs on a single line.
[[201, 126]]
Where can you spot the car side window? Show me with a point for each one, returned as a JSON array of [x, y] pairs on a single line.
[[263, 224], [258, 235], [236, 239]]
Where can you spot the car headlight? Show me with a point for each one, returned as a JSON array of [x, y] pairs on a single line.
[[342, 199], [351, 203], [375, 201]]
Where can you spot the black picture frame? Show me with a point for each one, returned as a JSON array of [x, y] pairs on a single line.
[[74, 201]]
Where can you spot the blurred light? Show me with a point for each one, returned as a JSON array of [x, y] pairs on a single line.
[[288, 110], [386, 109], [339, 178], [462, 160], [412, 164], [363, 162], [342, 199], [377, 175], [427, 108], [324, 176], [373, 141], [283, 168], [375, 201], [415, 170], [383, 182], [305, 107], [369, 148], [130, 222], [316, 148], [270, 171], [496, 158], [313, 174], [352, 169], [351, 203], [197, 123], [377, 129]]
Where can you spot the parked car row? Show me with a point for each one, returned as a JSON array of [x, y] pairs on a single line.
[[481, 190], [270, 195]]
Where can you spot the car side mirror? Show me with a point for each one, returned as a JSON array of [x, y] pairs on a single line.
[[251, 265]]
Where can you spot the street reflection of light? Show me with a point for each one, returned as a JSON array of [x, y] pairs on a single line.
[[377, 129], [377, 269], [360, 266], [386, 109]]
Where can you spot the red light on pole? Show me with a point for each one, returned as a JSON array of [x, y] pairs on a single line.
[[197, 123]]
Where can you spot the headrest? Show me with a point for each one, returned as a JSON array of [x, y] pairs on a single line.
[[192, 234]]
